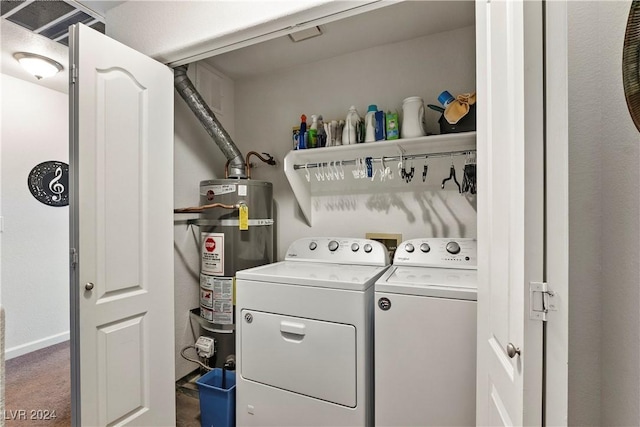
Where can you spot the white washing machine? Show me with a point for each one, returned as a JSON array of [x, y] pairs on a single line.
[[304, 335], [425, 335]]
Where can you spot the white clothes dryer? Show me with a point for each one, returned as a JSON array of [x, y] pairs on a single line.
[[304, 335], [425, 335]]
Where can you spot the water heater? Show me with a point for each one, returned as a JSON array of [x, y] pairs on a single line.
[[231, 239]]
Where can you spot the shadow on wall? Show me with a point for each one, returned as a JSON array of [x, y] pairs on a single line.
[[441, 208], [337, 203], [436, 212], [384, 203], [443, 213]]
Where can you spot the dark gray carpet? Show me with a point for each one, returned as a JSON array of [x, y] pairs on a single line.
[[40, 381], [38, 385]]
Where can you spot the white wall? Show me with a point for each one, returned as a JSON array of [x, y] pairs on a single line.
[[620, 228], [35, 276], [585, 219], [604, 323], [267, 107]]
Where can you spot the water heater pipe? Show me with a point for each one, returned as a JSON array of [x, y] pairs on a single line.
[[199, 209], [269, 160], [196, 103]]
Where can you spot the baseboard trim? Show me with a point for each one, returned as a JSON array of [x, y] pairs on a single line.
[[19, 350]]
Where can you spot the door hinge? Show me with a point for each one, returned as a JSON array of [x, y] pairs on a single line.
[[73, 258], [73, 73], [541, 301]]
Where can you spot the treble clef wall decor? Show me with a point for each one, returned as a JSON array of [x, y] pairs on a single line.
[[49, 183], [55, 187]]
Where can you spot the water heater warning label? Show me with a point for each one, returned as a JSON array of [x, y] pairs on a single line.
[[217, 302], [212, 252]]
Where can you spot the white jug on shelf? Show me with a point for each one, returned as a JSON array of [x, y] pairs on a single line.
[[350, 126], [412, 118], [370, 124]]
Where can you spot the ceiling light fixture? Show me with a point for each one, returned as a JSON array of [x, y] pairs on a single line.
[[37, 65]]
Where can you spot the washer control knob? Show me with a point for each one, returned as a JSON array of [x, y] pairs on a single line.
[[409, 247], [355, 247], [453, 248], [333, 245], [313, 246], [368, 248], [425, 247]]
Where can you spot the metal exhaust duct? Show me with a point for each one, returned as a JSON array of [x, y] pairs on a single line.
[[214, 128]]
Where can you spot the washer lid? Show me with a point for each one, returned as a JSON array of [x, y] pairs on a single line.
[[430, 282], [336, 276]]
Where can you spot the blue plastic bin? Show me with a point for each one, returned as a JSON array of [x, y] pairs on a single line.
[[217, 404]]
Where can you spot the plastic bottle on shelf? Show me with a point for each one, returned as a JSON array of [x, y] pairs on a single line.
[[445, 98], [322, 134], [349, 133], [303, 130], [380, 123], [412, 117], [370, 123], [334, 133], [339, 132], [313, 132], [392, 125], [295, 134]]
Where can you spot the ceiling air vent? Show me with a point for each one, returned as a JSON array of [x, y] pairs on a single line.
[[50, 19]]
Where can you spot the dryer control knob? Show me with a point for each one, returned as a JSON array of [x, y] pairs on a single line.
[[313, 246], [409, 247], [333, 245], [453, 248], [368, 248], [355, 247], [425, 247]]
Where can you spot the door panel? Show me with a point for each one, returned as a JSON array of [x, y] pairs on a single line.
[[121, 165], [510, 209], [120, 349], [121, 103]]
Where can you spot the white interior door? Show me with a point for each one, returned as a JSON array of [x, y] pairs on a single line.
[[121, 164], [510, 209]]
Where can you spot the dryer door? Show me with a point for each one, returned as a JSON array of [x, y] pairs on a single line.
[[309, 357]]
